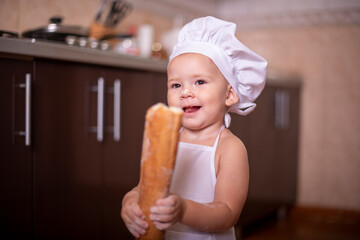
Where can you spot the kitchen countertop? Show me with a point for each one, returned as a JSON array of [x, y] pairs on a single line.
[[41, 49]]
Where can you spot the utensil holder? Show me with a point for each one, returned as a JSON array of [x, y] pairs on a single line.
[[98, 31]]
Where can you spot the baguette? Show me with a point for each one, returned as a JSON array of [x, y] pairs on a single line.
[[161, 136]]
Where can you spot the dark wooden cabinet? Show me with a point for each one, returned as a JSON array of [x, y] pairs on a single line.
[[69, 183], [16, 157], [121, 160], [270, 134], [67, 157]]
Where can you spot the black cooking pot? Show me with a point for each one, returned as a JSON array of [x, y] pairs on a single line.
[[55, 31]]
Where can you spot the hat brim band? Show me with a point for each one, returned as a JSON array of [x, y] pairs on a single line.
[[209, 50]]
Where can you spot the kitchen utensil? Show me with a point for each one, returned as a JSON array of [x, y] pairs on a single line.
[[116, 11], [8, 34], [100, 11], [55, 31], [119, 9]]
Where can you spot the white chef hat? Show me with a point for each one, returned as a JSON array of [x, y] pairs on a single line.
[[242, 68]]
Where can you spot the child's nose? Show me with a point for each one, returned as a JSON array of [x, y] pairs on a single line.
[[185, 93]]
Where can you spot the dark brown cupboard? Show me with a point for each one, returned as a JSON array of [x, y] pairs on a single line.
[[64, 175], [270, 134], [70, 180], [16, 157]]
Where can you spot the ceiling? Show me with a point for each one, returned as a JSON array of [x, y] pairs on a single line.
[[260, 13]]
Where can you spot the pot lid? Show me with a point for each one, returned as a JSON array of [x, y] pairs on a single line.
[[55, 27]]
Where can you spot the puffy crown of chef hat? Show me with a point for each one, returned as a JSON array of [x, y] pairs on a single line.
[[242, 68]]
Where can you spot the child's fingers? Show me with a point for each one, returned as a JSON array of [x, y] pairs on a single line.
[[137, 216], [134, 219], [135, 225], [135, 208], [162, 226], [136, 230], [131, 219], [168, 201], [166, 212], [161, 210], [162, 217]]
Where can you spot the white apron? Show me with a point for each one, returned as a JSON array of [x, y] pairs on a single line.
[[194, 178]]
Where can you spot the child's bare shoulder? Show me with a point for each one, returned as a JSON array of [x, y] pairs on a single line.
[[228, 138], [231, 144]]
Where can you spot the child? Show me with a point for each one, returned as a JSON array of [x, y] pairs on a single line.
[[210, 73]]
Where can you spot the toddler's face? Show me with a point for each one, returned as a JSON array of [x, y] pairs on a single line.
[[197, 86]]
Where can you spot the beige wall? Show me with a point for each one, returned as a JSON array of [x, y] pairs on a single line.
[[327, 58], [22, 15]]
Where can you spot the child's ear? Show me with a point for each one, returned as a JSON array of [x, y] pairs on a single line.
[[232, 97]]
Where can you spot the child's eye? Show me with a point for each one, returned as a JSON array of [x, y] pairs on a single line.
[[200, 82], [175, 85]]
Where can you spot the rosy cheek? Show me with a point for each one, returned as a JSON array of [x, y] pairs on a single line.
[[171, 99]]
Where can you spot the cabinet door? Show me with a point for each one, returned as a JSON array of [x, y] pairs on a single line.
[[160, 87], [16, 159], [122, 159], [257, 132], [285, 165], [273, 146], [67, 156], [270, 134]]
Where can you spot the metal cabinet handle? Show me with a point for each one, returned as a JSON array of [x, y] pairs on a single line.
[[117, 106], [99, 128], [282, 109], [100, 109], [28, 109], [27, 87]]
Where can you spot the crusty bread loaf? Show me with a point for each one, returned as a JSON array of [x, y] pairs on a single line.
[[161, 136]]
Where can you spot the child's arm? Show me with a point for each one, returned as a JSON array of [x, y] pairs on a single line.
[[230, 194], [132, 214]]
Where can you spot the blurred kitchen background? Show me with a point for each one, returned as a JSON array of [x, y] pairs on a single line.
[[317, 41]]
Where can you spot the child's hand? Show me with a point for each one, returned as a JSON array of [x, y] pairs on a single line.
[[167, 212], [134, 218]]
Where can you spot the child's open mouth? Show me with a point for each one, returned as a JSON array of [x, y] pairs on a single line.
[[191, 109]]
